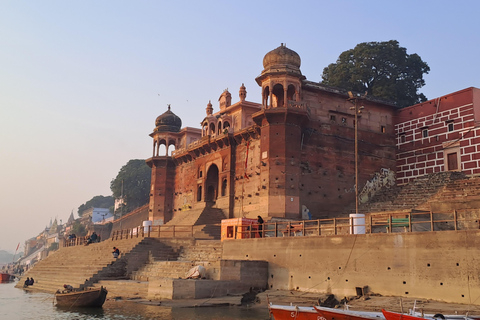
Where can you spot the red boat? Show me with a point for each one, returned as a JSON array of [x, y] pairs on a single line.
[[281, 312], [6, 277]]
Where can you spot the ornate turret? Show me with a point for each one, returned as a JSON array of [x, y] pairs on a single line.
[[281, 78], [242, 93], [225, 99], [209, 108]]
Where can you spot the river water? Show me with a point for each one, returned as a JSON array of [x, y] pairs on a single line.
[[19, 304]]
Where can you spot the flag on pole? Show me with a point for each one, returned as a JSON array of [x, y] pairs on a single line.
[[18, 245]]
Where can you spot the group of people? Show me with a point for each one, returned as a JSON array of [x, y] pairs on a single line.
[[28, 282], [93, 238]]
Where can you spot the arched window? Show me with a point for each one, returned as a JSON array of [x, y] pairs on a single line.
[[205, 129], [291, 93], [211, 183], [277, 99], [171, 148], [211, 131], [226, 125], [219, 130], [266, 96]]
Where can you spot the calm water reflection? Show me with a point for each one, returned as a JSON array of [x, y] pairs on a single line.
[[18, 304]]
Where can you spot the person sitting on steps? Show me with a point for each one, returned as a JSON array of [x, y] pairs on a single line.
[[115, 252]]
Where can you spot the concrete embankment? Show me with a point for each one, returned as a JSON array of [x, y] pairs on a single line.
[[439, 265]]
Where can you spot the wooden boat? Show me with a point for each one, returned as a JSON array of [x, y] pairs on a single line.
[[282, 312], [418, 316], [92, 297], [6, 277]]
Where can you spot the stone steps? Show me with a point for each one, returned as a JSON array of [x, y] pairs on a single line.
[[77, 265], [418, 194]]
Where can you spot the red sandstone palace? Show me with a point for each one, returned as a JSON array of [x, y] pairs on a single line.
[[294, 151]]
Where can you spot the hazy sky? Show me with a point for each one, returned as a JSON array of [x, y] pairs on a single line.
[[81, 82]]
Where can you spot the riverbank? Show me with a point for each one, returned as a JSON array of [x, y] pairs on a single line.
[[367, 303]]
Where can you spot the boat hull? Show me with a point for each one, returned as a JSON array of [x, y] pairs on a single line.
[[6, 277], [281, 312], [93, 298]]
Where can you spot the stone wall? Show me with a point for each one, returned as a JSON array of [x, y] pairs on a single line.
[[131, 220], [236, 277], [427, 265]]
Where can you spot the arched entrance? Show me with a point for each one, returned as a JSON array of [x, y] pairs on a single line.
[[212, 184]]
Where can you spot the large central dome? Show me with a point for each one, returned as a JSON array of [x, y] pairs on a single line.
[[168, 122]]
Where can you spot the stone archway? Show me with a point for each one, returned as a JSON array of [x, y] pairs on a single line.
[[211, 184]]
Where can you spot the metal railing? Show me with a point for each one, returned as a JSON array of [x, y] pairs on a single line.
[[162, 231], [374, 223]]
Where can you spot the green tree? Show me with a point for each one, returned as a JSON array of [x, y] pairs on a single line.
[[78, 229], [96, 202], [133, 183], [382, 69]]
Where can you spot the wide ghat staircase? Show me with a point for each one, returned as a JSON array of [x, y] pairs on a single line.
[[425, 193], [81, 266], [190, 253]]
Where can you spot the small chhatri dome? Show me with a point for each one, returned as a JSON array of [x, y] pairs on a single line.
[[281, 56], [209, 108], [168, 122], [242, 93]]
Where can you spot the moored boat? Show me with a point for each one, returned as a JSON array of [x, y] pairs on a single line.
[[389, 315], [339, 314], [282, 312], [92, 297], [6, 277]]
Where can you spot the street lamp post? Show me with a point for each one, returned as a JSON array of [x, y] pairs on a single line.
[[357, 110]]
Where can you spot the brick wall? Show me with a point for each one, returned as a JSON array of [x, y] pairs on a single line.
[[438, 135]]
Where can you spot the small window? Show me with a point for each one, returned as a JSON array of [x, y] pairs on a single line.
[[425, 132], [344, 120], [383, 129], [403, 138], [332, 118], [450, 127]]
